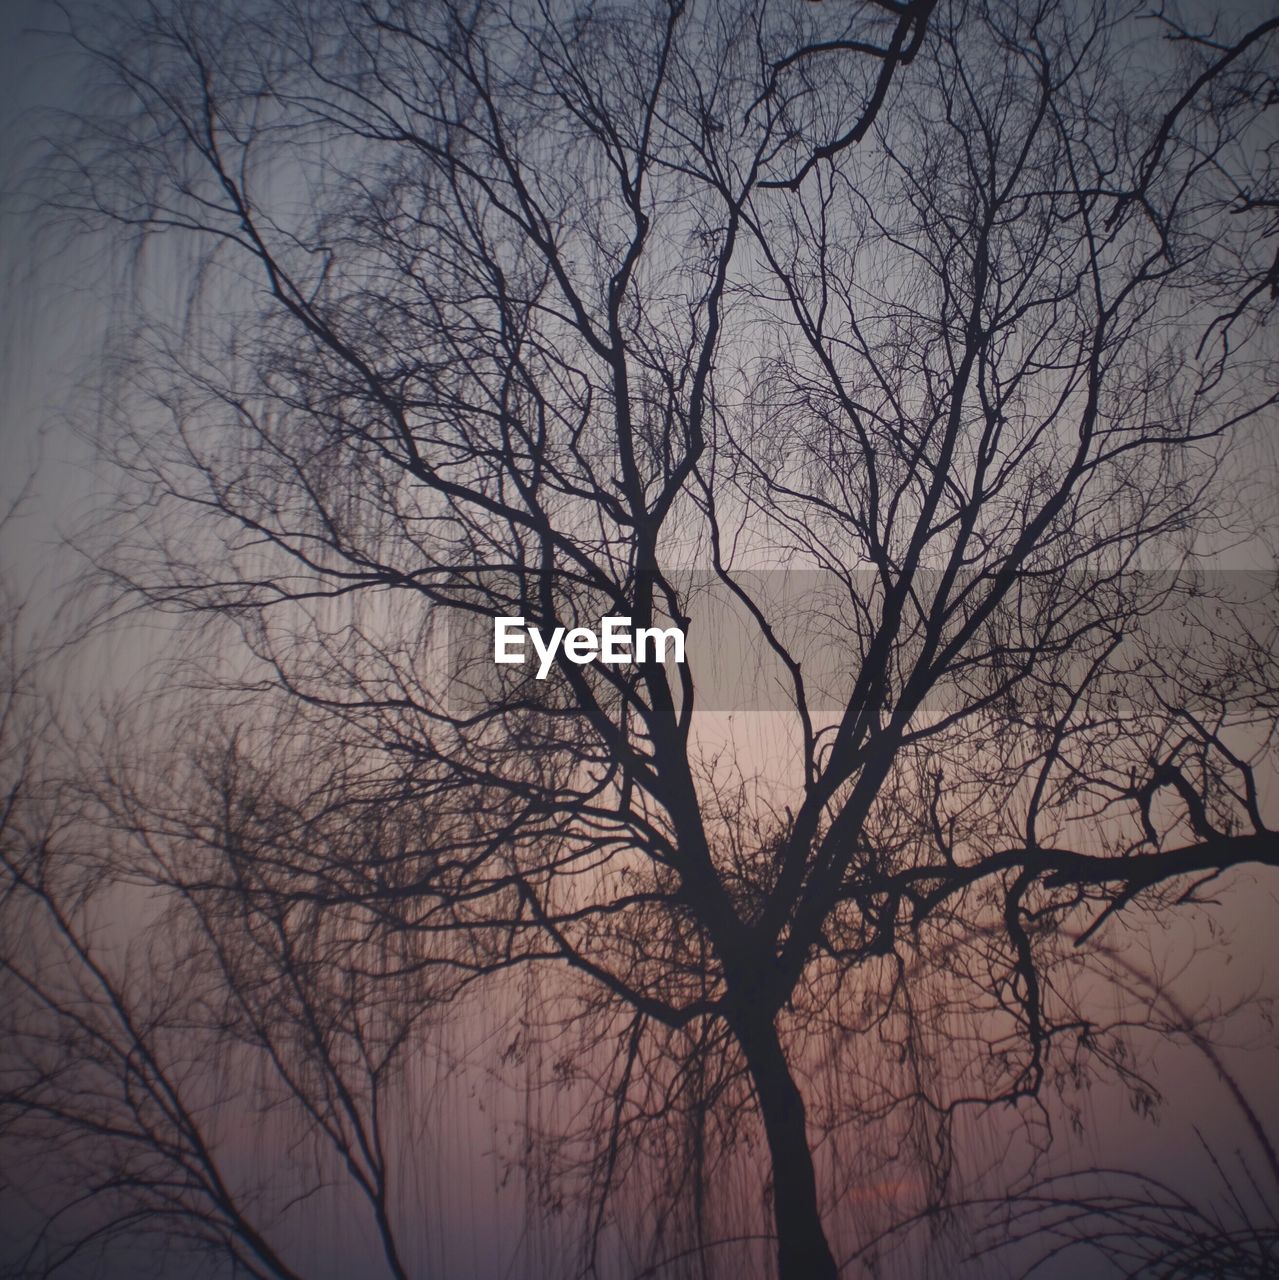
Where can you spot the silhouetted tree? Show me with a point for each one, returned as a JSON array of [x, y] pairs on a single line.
[[561, 311]]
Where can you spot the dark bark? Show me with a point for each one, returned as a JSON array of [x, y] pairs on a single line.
[[802, 1249]]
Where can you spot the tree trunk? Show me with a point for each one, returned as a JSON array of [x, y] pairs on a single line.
[[802, 1250]]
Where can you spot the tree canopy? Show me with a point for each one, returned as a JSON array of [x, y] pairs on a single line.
[[917, 357]]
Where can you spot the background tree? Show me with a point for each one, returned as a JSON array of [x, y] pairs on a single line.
[[555, 312]]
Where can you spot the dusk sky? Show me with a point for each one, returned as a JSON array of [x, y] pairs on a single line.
[[922, 917]]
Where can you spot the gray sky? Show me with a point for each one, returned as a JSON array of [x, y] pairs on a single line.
[[51, 324], [50, 338]]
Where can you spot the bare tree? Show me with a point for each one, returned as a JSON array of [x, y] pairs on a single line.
[[559, 312]]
